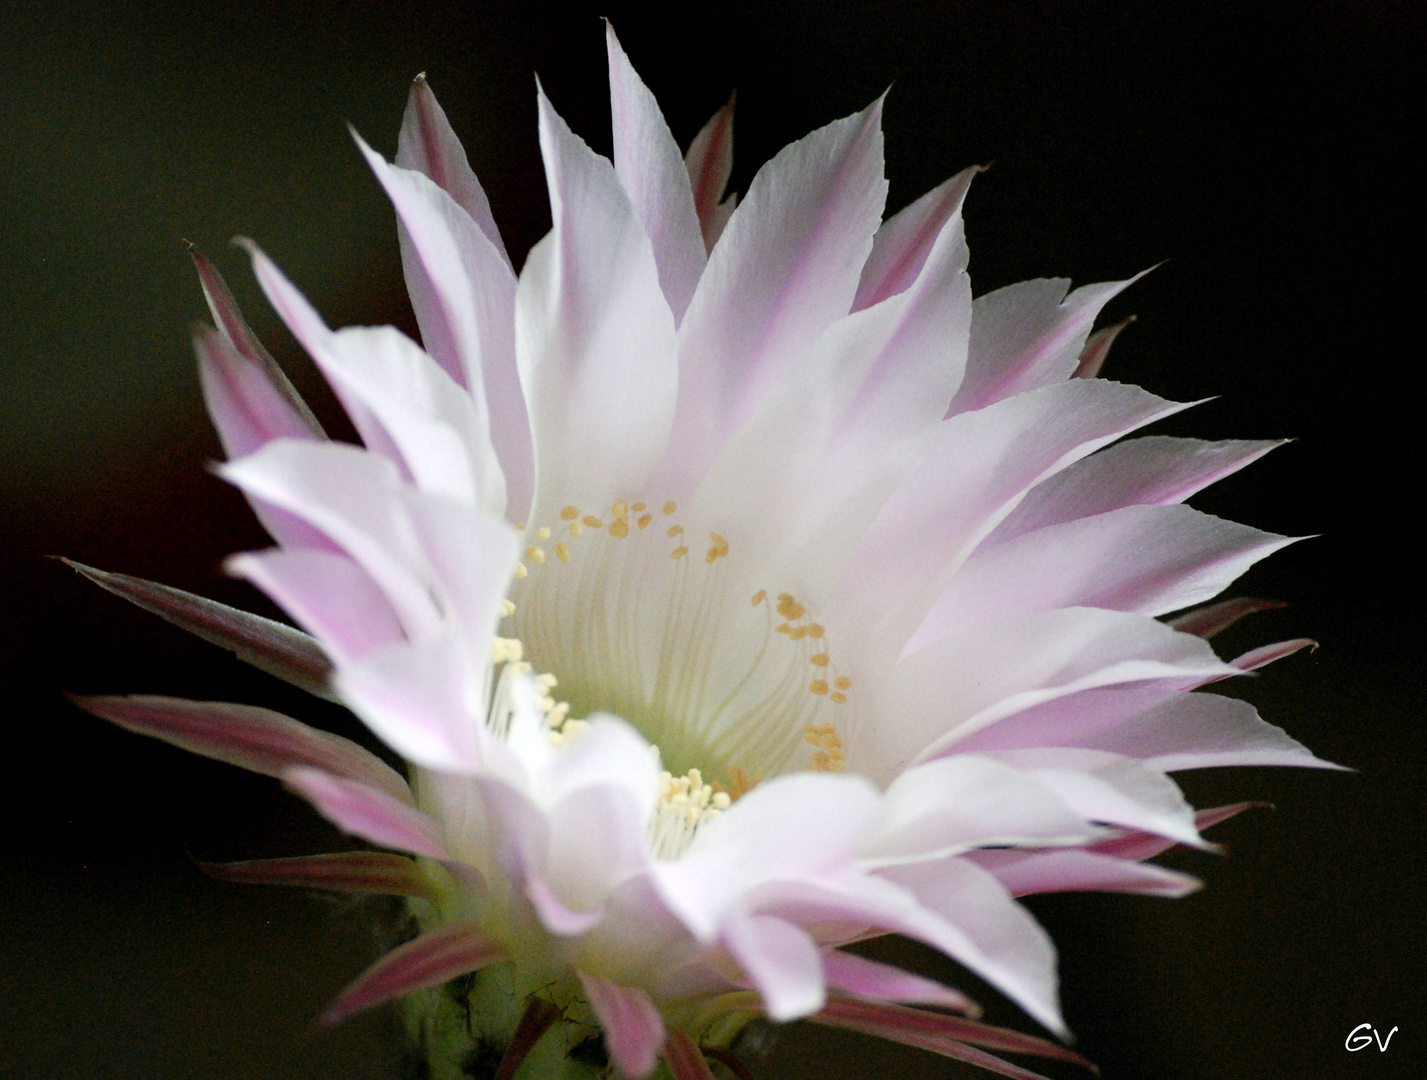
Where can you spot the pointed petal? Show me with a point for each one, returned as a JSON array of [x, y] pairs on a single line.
[[1269, 654], [376, 872], [367, 812], [594, 335], [1209, 620], [647, 161], [865, 978], [428, 145], [1153, 471], [685, 1059], [1136, 844], [247, 406], [901, 246], [251, 738], [883, 1019], [537, 1019], [433, 958], [781, 961], [281, 397], [710, 164], [1024, 873], [1147, 559], [1196, 731], [1029, 335], [328, 594], [633, 1028], [1097, 350], [274, 647], [786, 267]]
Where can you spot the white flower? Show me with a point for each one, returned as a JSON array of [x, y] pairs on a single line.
[[736, 587]]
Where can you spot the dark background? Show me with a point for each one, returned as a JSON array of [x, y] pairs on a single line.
[[1268, 152]]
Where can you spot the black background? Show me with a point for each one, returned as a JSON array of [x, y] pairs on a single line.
[[1265, 152]]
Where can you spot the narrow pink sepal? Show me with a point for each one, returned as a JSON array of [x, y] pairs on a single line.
[[939, 1034], [246, 405], [252, 738], [865, 978], [1210, 619], [539, 1015], [1142, 845], [1097, 348], [1267, 654], [430, 960], [376, 872], [710, 163], [274, 647], [365, 811], [284, 398], [633, 1029], [684, 1058]]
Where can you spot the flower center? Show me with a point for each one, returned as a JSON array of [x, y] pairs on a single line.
[[730, 687]]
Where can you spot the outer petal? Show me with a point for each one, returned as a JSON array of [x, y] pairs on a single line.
[[781, 961], [785, 268], [376, 872], [594, 336], [865, 978], [633, 1028], [901, 246], [1026, 335], [366, 812], [1149, 559], [1027, 872], [1156, 470], [648, 163], [710, 163], [251, 738]]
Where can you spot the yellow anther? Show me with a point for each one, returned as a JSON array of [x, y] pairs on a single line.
[[675, 530], [798, 633], [818, 686], [621, 508], [507, 608], [815, 631], [783, 629], [576, 529], [670, 506], [593, 522], [820, 659], [562, 551], [790, 608], [679, 552], [842, 682], [644, 520], [639, 507], [520, 571], [535, 554], [619, 528], [542, 533], [838, 696], [758, 596], [569, 513], [821, 762], [718, 550]]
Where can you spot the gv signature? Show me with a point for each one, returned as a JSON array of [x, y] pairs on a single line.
[[1358, 1041]]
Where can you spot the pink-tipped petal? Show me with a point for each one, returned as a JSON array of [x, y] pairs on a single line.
[[377, 872], [428, 145], [654, 175], [280, 398], [274, 647], [710, 163], [633, 1028], [878, 1018], [1025, 873], [786, 267], [251, 738], [1269, 654], [594, 335], [367, 812], [865, 978], [1154, 471], [901, 246], [1210, 619], [686, 1061], [1097, 350], [1135, 844], [433, 958], [1029, 335]]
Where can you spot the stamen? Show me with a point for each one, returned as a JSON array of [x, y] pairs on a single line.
[[569, 513], [542, 533], [685, 804]]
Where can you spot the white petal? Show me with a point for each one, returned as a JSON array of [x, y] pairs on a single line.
[[781, 961], [594, 336], [1149, 559], [649, 165], [785, 268]]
